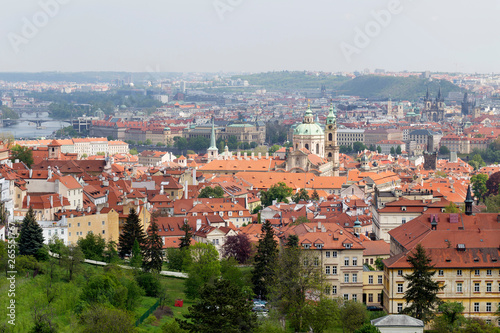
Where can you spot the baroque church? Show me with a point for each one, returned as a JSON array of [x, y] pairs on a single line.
[[314, 149]]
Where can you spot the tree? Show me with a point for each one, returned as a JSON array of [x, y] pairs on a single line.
[[72, 258], [136, 258], [211, 192], [315, 195], [379, 149], [300, 220], [23, 154], [492, 184], [92, 246], [153, 253], [322, 315], [479, 186], [398, 150], [358, 146], [186, 239], [237, 247], [452, 208], [148, 142], [451, 317], [443, 150], [265, 259], [132, 230], [492, 204], [300, 195], [222, 307], [353, 315], [379, 264], [133, 151], [204, 267], [279, 192], [101, 319], [393, 151], [31, 236], [372, 148], [298, 276], [421, 294], [160, 144]]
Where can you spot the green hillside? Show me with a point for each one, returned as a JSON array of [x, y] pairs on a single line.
[[398, 88], [287, 80], [367, 86]]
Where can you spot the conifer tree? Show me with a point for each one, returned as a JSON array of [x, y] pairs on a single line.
[[31, 236], [421, 294], [153, 254], [132, 231], [265, 260], [186, 239]]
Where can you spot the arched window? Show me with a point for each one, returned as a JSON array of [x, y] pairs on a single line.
[[317, 148], [329, 154], [296, 146], [330, 137], [307, 146]]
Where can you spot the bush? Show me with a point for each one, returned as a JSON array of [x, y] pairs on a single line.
[[150, 283], [150, 320]]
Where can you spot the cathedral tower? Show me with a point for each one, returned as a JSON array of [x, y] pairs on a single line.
[[331, 147]]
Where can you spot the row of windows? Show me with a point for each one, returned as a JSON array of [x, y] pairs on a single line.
[[477, 287], [370, 279], [354, 278], [89, 224], [477, 272], [80, 233], [370, 298]]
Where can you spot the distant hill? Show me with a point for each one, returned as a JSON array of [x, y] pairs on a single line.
[[397, 88], [81, 77], [367, 86], [287, 80]]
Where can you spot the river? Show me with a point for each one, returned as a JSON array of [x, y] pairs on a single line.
[[28, 130]]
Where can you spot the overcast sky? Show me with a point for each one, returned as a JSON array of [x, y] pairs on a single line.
[[249, 35]]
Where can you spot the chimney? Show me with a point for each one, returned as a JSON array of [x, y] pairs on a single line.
[[28, 201], [253, 156], [162, 191], [319, 225], [31, 173], [260, 155], [238, 155], [267, 155], [186, 189], [195, 182], [245, 156], [51, 201]]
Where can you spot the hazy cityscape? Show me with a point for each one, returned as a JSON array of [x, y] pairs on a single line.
[[235, 166]]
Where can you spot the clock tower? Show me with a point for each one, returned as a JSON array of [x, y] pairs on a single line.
[[331, 148]]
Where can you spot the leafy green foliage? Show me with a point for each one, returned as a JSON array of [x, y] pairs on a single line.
[[353, 315], [443, 150], [493, 183], [300, 195], [367, 328], [8, 113], [222, 307], [136, 259], [279, 192], [379, 264], [477, 161], [358, 146], [422, 289], [31, 236], [273, 149], [321, 316], [92, 246], [479, 185], [186, 239], [204, 267], [102, 319], [132, 231], [452, 208], [267, 254], [451, 317], [211, 192], [492, 204], [150, 283], [133, 151], [276, 132], [23, 154]]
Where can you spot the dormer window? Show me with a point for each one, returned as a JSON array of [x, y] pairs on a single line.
[[306, 246], [319, 246], [240, 213], [347, 246], [403, 208]]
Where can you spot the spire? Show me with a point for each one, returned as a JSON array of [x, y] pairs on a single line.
[[427, 94], [212, 137], [468, 202], [330, 119], [465, 97], [439, 97]]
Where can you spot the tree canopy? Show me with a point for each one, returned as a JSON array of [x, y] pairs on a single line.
[[211, 192], [279, 192], [31, 235], [479, 186], [132, 230], [23, 154], [267, 253]]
